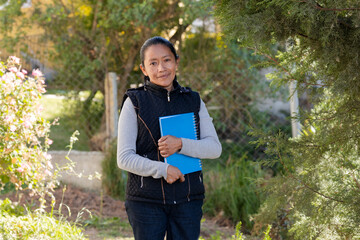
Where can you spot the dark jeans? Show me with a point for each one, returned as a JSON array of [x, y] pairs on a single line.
[[151, 220]]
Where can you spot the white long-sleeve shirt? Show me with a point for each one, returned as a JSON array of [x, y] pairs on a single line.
[[208, 147]]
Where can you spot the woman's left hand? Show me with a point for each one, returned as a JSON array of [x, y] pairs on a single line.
[[168, 145]]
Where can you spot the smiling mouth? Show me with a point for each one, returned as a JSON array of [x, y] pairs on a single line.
[[164, 76]]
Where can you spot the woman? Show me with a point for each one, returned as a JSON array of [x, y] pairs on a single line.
[[159, 198]]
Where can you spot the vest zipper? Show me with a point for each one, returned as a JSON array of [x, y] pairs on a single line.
[[162, 188], [188, 196], [168, 96], [142, 182], [162, 180]]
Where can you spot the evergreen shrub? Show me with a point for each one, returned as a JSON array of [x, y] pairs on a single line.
[[318, 189]]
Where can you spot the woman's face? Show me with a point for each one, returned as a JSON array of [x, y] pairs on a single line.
[[160, 65]]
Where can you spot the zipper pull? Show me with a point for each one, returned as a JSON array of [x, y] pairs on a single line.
[[168, 96]]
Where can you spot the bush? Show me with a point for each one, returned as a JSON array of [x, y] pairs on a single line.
[[113, 178], [24, 134], [16, 223], [24, 161], [231, 189]]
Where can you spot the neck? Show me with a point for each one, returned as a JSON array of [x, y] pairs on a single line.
[[170, 88]]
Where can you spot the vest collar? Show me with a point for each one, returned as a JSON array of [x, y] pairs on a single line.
[[160, 90]]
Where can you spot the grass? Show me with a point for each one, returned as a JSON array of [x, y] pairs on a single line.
[[232, 189], [61, 133], [109, 228], [17, 223]]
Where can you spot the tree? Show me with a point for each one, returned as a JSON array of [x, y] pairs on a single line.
[[91, 37], [87, 38], [316, 44]]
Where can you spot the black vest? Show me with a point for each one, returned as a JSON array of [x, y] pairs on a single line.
[[152, 102]]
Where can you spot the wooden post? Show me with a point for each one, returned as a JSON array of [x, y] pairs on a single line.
[[294, 110], [111, 107]]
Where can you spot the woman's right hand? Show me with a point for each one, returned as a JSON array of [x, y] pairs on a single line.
[[173, 174]]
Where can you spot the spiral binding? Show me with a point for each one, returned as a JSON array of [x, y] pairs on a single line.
[[197, 133], [196, 127]]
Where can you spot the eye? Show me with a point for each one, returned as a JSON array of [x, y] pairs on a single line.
[[167, 60], [153, 63]]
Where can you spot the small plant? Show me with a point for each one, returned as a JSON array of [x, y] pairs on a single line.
[[16, 223], [238, 234], [231, 189], [114, 179]]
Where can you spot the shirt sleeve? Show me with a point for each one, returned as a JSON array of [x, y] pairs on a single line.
[[209, 145], [127, 159]]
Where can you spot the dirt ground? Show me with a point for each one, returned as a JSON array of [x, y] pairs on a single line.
[[77, 202]]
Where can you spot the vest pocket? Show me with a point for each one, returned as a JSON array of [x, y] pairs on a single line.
[[197, 186], [147, 188]]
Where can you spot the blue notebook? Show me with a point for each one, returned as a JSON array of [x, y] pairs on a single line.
[[182, 126]]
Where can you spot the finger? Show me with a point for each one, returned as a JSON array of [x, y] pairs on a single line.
[[182, 178], [163, 145], [162, 139], [164, 154]]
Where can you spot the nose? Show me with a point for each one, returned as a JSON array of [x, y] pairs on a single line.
[[161, 67]]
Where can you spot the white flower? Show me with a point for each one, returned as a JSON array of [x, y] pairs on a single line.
[[47, 156], [20, 75], [13, 69], [12, 128], [36, 73], [14, 59]]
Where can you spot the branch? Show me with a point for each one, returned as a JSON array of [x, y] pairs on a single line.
[[94, 24], [169, 12], [313, 84], [64, 6], [321, 8], [177, 35], [304, 184], [356, 181], [277, 63], [286, 71]]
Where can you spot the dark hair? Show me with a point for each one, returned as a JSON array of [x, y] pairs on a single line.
[[154, 41]]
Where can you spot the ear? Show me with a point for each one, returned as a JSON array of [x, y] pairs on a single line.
[[177, 62], [143, 70]]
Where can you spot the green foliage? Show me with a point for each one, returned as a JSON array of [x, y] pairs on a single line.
[[231, 189], [221, 72], [54, 108], [82, 40], [238, 234], [318, 47], [16, 223], [108, 227], [89, 38], [114, 179], [24, 134], [8, 208], [322, 185], [84, 111]]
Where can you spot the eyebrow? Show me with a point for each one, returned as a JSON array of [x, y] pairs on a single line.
[[152, 59]]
